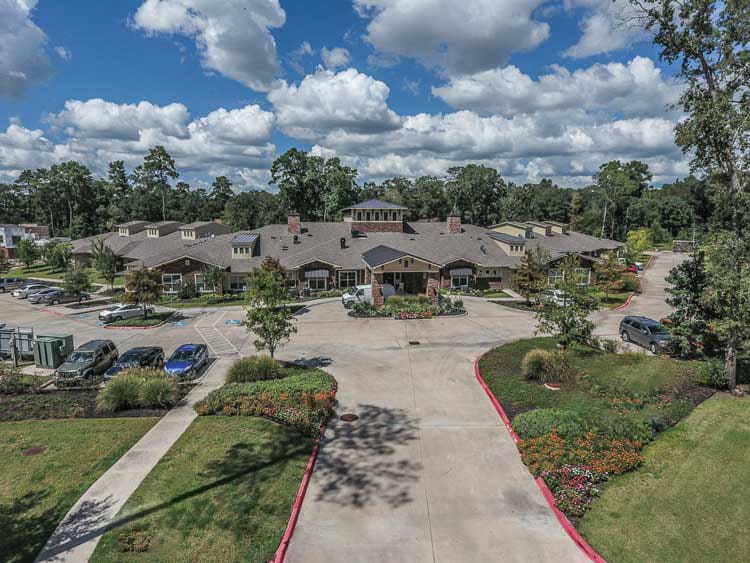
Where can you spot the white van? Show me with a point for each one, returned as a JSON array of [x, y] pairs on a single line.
[[363, 294]]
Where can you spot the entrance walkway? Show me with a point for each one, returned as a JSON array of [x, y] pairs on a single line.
[[77, 535]]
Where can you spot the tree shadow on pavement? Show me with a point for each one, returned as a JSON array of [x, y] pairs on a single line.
[[317, 362], [366, 461]]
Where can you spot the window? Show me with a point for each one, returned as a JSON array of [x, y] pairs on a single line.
[[554, 277], [317, 284], [367, 216], [377, 215], [237, 283], [241, 250], [347, 279], [171, 282], [459, 281], [583, 275], [359, 215], [395, 216], [291, 278], [200, 285]]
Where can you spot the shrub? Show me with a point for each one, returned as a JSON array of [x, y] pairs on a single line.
[[13, 383], [609, 346], [534, 364], [158, 393], [712, 373], [547, 366], [253, 368], [544, 421], [121, 393], [624, 427], [630, 283]]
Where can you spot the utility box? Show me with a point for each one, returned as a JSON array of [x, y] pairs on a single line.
[[50, 351], [23, 338]]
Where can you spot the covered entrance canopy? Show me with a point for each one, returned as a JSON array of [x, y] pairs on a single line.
[[406, 272]]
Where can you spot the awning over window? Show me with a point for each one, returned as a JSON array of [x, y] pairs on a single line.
[[316, 274], [461, 272]]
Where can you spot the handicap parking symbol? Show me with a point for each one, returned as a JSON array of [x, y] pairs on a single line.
[[178, 323], [233, 322]]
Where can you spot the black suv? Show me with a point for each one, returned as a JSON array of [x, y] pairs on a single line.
[[647, 332], [146, 357], [87, 361]]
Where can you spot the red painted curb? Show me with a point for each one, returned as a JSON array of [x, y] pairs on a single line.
[[626, 304], [297, 507], [561, 518]]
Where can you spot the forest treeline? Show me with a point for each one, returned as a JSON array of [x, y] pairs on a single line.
[[75, 203]]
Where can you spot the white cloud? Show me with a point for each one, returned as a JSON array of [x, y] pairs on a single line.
[[63, 53], [232, 36], [95, 132], [327, 101], [633, 88], [457, 36], [295, 57], [605, 28], [335, 58], [23, 56]]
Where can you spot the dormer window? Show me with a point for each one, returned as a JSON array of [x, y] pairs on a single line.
[[241, 250], [123, 232], [153, 233]]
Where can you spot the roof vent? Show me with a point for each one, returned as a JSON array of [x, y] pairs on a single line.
[[285, 247], [296, 239], [483, 249]]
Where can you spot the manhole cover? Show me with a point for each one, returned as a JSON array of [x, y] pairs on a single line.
[[414, 342], [348, 417], [33, 451]]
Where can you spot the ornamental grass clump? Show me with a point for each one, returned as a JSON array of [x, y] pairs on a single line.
[[547, 366], [138, 388], [253, 368]]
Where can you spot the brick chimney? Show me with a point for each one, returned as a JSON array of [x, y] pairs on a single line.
[[454, 224], [294, 224]]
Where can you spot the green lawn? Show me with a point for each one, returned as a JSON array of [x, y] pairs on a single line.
[[44, 271], [224, 492], [153, 319], [689, 501], [631, 374], [37, 491], [610, 301]]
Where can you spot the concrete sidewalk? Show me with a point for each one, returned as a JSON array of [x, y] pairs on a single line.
[[78, 534]]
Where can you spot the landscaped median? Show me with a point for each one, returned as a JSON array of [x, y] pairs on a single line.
[[409, 307], [582, 420], [226, 489]]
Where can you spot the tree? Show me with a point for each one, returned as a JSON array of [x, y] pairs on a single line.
[[638, 242], [58, 256], [143, 287], [475, 192], [221, 194], [77, 282], [608, 274], [568, 321], [268, 316], [4, 263], [105, 261], [619, 186], [27, 252], [213, 277], [530, 279], [154, 174]]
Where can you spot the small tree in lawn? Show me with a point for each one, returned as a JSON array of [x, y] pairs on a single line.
[[608, 274], [213, 277], [58, 256], [268, 316], [77, 282], [638, 242], [143, 287], [568, 322], [27, 252], [105, 261], [530, 279]]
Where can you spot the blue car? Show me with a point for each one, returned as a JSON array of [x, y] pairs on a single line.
[[187, 360]]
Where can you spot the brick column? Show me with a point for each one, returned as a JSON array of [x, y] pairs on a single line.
[[433, 289], [368, 276], [378, 300]]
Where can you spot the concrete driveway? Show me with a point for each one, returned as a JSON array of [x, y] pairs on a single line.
[[428, 472]]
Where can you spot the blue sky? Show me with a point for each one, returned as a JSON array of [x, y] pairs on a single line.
[[409, 87]]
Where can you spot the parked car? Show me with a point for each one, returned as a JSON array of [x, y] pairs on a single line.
[[146, 357], [122, 311], [24, 291], [632, 269], [60, 296], [87, 361], [363, 294], [638, 266], [647, 332], [555, 296], [7, 284], [36, 296], [187, 360]]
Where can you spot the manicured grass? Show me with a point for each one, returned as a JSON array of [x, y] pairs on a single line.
[[689, 501], [610, 301], [224, 492], [610, 374], [496, 295], [520, 305], [44, 271], [153, 319], [37, 491], [182, 304]]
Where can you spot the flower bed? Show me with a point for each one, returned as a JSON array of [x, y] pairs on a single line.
[[302, 399], [404, 308]]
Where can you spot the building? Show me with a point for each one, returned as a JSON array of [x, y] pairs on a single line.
[[11, 235], [372, 244]]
